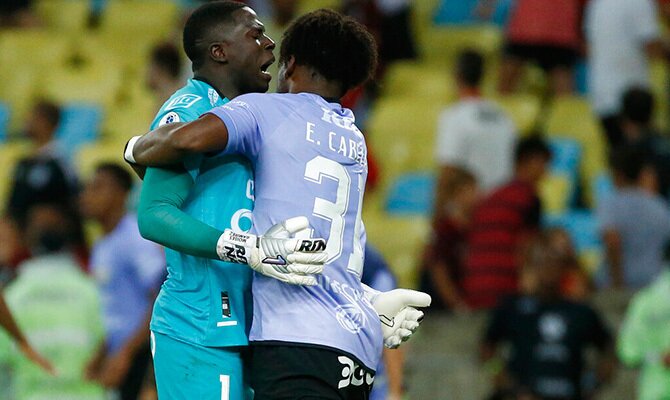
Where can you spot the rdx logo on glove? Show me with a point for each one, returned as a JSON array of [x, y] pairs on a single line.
[[312, 245]]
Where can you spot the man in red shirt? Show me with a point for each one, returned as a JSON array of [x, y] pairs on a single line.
[[501, 225], [546, 33]]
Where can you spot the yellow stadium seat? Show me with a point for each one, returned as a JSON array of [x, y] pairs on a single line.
[[659, 85], [555, 191], [591, 260], [412, 79], [442, 44], [523, 109], [90, 155], [64, 15], [93, 82], [10, 154], [402, 133], [152, 19], [402, 252], [305, 6], [130, 115], [40, 48], [572, 117], [18, 93]]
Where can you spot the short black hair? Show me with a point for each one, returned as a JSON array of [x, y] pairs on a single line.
[[49, 110], [201, 22], [628, 161], [116, 171], [166, 55], [530, 146], [337, 47], [470, 67], [638, 105]]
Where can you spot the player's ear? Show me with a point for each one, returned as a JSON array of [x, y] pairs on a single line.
[[289, 67], [218, 52]]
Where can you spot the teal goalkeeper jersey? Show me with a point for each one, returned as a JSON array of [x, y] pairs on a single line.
[[203, 301]]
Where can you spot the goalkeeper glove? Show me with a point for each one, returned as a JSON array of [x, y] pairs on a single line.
[[397, 314], [276, 254]]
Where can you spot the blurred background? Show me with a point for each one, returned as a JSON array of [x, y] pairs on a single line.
[[519, 172]]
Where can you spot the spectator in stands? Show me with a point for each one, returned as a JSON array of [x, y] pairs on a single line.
[[544, 32], [45, 176], [501, 226], [57, 305], [474, 134], [389, 376], [128, 271], [635, 225], [547, 335], [442, 271], [644, 339], [622, 36], [575, 283], [636, 127], [42, 177], [164, 75]]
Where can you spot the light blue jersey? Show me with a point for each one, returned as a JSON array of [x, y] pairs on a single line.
[[207, 302], [309, 159]]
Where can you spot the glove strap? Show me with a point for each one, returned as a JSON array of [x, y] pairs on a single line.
[[236, 247], [128, 152]]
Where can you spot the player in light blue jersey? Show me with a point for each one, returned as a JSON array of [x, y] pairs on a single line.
[[202, 315], [309, 159]]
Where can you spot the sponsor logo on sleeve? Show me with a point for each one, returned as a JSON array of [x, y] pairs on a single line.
[[183, 101]]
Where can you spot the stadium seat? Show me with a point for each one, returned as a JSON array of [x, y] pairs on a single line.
[[573, 118], [411, 194], [582, 226], [434, 83], [463, 12], [602, 188], [659, 86], [141, 20], [130, 115], [555, 191], [400, 240], [442, 44], [403, 133], [64, 15], [10, 154], [4, 121], [37, 48], [523, 109], [305, 6], [91, 154], [80, 123], [92, 82]]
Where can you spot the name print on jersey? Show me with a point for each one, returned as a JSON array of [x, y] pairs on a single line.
[[353, 149]]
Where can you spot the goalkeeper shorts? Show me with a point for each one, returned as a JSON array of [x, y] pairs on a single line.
[[186, 371]]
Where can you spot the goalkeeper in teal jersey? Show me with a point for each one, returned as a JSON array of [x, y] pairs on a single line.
[[202, 314]]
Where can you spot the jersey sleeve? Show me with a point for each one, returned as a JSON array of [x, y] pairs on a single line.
[[241, 120], [180, 114], [161, 219]]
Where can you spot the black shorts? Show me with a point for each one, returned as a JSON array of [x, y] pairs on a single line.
[[547, 57], [297, 372]]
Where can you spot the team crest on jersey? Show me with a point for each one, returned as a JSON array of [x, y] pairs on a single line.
[[213, 97], [169, 118], [183, 101]]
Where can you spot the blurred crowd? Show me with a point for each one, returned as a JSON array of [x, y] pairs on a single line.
[[81, 280]]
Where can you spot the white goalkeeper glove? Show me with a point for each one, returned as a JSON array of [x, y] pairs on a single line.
[[276, 254], [397, 314]]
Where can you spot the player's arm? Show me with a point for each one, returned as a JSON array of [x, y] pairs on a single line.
[[172, 143], [275, 254]]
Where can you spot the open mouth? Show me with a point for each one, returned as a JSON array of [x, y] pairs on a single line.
[[264, 67]]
